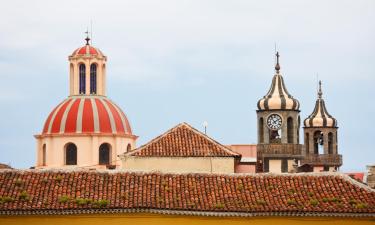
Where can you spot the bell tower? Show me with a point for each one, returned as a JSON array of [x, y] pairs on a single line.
[[320, 137], [278, 148]]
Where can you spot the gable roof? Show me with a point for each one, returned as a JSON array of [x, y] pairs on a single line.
[[183, 141], [83, 191]]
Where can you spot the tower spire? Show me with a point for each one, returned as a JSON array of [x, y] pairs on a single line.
[[277, 66], [320, 93]]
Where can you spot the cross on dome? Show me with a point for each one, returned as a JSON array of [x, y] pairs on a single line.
[[320, 93]]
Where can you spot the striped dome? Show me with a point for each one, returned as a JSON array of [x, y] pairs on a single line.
[[87, 114], [87, 50], [320, 116], [278, 97]]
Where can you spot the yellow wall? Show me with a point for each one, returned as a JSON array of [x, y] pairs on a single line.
[[155, 219]]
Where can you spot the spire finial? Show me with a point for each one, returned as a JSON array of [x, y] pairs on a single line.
[[277, 67], [320, 93], [87, 37]]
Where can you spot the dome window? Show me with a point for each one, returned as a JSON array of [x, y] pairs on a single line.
[[82, 79], [93, 79], [104, 154], [44, 155], [71, 154]]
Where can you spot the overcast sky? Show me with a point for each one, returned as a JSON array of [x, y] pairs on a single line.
[[192, 61]]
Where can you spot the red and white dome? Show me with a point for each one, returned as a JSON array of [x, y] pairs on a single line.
[[87, 50], [87, 114]]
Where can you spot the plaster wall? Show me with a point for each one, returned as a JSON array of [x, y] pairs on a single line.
[[245, 168], [179, 164], [274, 166], [87, 150]]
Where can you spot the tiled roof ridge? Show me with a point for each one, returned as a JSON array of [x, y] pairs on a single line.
[[312, 174], [140, 148], [226, 149]]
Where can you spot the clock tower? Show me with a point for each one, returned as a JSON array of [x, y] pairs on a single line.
[[278, 148]]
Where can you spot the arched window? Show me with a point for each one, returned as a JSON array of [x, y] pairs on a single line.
[[82, 79], [261, 130], [318, 141], [307, 143], [71, 154], [44, 152], [128, 148], [290, 130], [104, 154], [330, 143], [93, 79]]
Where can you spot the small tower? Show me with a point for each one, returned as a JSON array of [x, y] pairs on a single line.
[[87, 71], [278, 119], [320, 134]]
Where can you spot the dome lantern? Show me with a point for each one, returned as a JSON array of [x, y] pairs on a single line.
[[87, 71]]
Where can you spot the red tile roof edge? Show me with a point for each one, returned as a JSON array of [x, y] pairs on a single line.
[[139, 188], [342, 175], [184, 213], [225, 148]]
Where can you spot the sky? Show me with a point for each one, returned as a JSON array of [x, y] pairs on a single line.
[[191, 61]]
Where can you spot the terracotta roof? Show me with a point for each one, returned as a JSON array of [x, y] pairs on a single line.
[[77, 192], [5, 166], [183, 141]]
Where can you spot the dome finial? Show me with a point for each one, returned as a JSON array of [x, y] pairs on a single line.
[[87, 37], [277, 67], [320, 93]]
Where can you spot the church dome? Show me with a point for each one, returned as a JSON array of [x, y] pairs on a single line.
[[320, 116], [87, 115], [278, 97]]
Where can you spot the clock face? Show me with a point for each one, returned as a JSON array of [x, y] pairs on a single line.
[[274, 121]]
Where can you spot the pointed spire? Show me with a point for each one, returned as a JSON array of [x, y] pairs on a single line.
[[87, 38], [277, 67], [320, 93]]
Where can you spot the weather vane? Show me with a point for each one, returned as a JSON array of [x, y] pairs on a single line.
[[87, 37]]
